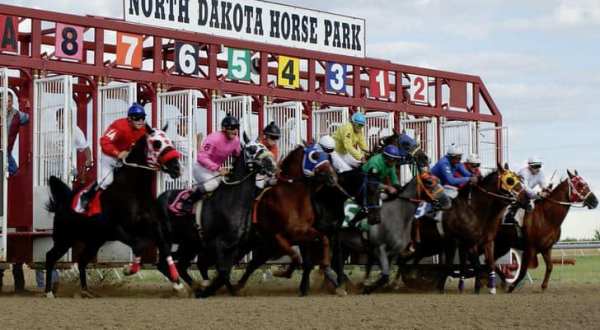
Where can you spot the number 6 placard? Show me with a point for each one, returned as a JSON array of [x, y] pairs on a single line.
[[186, 58], [69, 41], [129, 50]]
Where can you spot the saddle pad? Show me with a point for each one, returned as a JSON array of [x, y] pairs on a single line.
[[94, 207]]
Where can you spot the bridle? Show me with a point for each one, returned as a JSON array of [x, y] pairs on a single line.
[[576, 197]]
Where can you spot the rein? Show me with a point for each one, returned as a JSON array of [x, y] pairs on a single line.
[[233, 183], [573, 204], [126, 163], [511, 199]]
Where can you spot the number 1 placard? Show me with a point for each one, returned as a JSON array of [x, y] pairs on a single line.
[[288, 72], [69, 41], [379, 83], [129, 50]]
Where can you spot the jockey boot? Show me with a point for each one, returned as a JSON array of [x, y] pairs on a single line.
[[415, 236], [187, 205], [87, 196]]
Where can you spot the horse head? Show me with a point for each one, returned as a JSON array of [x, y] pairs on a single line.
[[429, 187], [580, 191], [161, 153], [510, 184], [258, 158]]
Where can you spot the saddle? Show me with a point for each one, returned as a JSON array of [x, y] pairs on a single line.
[[94, 206]]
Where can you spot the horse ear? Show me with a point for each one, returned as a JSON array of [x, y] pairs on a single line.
[[403, 131], [500, 168], [576, 172], [164, 129], [149, 129], [506, 166], [569, 173], [246, 139]]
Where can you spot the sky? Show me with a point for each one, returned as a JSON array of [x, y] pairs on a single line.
[[538, 58]]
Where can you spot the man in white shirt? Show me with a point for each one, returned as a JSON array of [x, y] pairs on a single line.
[[534, 184]]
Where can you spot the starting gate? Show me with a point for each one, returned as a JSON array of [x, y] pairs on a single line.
[[424, 131], [3, 164], [288, 116], [487, 146], [459, 133], [52, 149], [114, 101], [179, 110], [379, 125], [326, 121]]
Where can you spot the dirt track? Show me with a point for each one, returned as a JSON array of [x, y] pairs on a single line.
[[274, 305]]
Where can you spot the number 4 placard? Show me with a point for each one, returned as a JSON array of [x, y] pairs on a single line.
[[129, 50], [379, 83], [288, 73], [69, 41]]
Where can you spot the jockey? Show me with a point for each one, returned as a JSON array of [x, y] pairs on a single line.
[[450, 164], [384, 166], [472, 166], [533, 178], [117, 141], [327, 144], [271, 134], [350, 140], [209, 170]]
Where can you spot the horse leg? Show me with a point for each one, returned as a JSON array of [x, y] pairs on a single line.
[[312, 234], [548, 261], [224, 265], [203, 263], [185, 256], [491, 265], [448, 264], [462, 254], [52, 256], [89, 252], [384, 263], [474, 259], [259, 257], [164, 253]]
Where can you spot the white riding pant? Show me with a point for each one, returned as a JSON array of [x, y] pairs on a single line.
[[339, 164], [350, 161], [209, 180], [107, 167]]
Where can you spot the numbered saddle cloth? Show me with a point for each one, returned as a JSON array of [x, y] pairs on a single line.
[[351, 209]]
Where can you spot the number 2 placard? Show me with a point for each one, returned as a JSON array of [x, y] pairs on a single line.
[[69, 41], [418, 89], [129, 50], [288, 73]]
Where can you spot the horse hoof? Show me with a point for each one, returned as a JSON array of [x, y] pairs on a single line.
[[203, 294], [178, 287], [50, 295], [493, 291], [87, 294], [341, 292], [204, 283]]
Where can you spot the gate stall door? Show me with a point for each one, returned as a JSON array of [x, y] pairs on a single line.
[[52, 149], [114, 101], [3, 164], [424, 131], [327, 121], [179, 110], [288, 116], [459, 133], [241, 108], [379, 125], [487, 147]]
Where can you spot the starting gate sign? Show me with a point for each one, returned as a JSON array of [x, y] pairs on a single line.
[[3, 164], [288, 116], [238, 64], [129, 50], [327, 121], [69, 41], [379, 83], [178, 110], [9, 32], [336, 77], [288, 72], [419, 88], [379, 125], [186, 58]]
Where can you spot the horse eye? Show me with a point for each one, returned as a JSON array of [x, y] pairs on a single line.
[[510, 181], [156, 145]]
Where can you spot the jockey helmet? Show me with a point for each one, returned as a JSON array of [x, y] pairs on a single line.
[[230, 122], [534, 162], [359, 118], [391, 152], [453, 151], [327, 143], [272, 130], [136, 111], [473, 159]]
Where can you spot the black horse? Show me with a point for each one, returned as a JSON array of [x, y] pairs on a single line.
[[129, 212]]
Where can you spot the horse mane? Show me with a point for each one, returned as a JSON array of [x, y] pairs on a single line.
[[60, 195], [485, 183], [293, 158]]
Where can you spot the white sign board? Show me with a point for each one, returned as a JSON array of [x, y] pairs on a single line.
[[253, 20]]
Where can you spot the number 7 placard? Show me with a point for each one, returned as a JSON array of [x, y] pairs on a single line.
[[129, 50]]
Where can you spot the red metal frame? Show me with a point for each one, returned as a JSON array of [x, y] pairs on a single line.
[[31, 62]]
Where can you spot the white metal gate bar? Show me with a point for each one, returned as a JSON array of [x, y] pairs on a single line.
[[424, 131], [460, 134], [238, 106], [288, 116], [487, 147], [52, 151], [115, 100], [379, 125], [178, 111], [4, 165], [326, 121]]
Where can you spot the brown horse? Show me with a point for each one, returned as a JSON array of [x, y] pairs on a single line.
[[541, 227], [285, 216]]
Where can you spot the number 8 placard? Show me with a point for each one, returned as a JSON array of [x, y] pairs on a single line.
[[129, 50], [69, 41], [288, 72]]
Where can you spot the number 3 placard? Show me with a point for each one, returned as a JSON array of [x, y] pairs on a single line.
[[69, 41], [288, 72], [336, 77], [379, 83], [129, 50]]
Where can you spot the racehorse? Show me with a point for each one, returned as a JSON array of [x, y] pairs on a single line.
[[285, 215], [471, 224], [128, 214], [223, 213], [541, 227]]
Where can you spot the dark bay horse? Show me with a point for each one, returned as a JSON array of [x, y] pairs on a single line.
[[285, 216], [129, 213], [238, 190], [471, 224], [541, 226]]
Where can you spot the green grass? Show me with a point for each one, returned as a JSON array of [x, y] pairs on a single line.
[[585, 271]]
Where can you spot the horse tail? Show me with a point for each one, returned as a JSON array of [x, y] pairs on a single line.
[[60, 196]]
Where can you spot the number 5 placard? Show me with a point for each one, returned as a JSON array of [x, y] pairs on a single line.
[[129, 50], [288, 72], [238, 64]]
